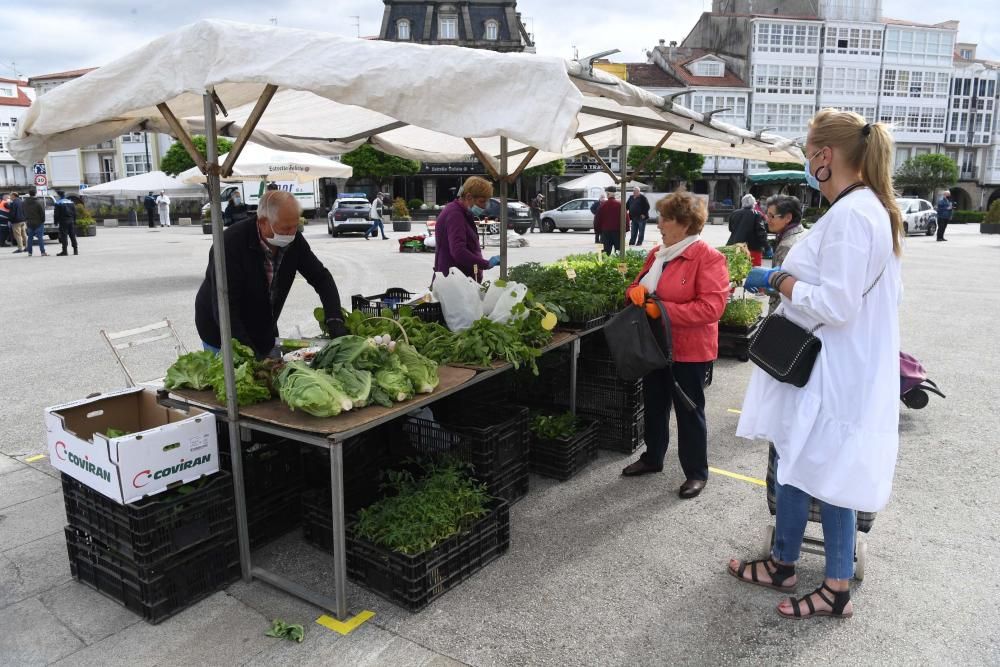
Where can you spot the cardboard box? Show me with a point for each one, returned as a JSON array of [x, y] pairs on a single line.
[[165, 447]]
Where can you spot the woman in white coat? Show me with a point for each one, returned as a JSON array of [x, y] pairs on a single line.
[[163, 208], [836, 437]]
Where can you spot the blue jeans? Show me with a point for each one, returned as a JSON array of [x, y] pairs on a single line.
[[792, 513], [210, 348], [638, 232], [39, 233], [374, 230]]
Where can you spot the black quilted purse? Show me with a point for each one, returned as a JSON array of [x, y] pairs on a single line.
[[786, 351]]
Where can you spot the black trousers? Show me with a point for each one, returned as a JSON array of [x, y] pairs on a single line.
[[942, 225], [692, 431], [611, 241], [67, 233], [151, 217]]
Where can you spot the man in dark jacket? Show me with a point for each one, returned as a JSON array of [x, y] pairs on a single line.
[[608, 222], [747, 226], [262, 257], [944, 211], [149, 203], [65, 218], [34, 214], [638, 213], [6, 233], [17, 222], [593, 211]]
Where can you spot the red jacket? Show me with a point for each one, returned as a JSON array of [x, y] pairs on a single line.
[[694, 288], [608, 217]]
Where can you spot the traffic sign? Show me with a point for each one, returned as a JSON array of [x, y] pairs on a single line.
[[41, 180], [39, 169]]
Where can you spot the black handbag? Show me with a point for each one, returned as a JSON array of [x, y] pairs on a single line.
[[786, 351], [640, 345]]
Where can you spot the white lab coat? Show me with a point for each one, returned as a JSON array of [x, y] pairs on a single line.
[[837, 437], [163, 208]]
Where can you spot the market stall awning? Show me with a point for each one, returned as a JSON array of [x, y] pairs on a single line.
[[598, 179], [135, 186], [782, 176], [258, 162]]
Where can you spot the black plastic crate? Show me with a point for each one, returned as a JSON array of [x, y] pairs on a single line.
[[413, 582], [493, 438], [363, 457], [735, 341], [562, 459], [586, 325], [157, 526], [599, 391], [271, 464], [549, 389], [595, 346], [617, 434], [512, 485], [393, 299], [157, 591], [269, 517]]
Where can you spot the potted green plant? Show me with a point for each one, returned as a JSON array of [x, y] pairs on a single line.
[[400, 215], [991, 222], [85, 223]]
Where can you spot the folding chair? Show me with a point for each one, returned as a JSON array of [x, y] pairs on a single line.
[[150, 333]]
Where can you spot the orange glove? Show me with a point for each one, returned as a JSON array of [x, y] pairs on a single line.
[[652, 310], [637, 295]]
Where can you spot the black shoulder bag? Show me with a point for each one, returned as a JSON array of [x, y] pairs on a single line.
[[640, 345], [786, 351]]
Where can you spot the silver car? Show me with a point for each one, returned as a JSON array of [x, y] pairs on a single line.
[[574, 214], [919, 216]]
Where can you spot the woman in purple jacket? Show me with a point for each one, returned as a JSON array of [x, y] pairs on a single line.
[[456, 236]]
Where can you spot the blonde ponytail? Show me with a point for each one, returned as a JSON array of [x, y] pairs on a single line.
[[867, 147]]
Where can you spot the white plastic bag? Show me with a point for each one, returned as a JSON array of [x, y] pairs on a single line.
[[460, 299], [499, 301]]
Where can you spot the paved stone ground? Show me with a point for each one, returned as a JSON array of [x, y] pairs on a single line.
[[602, 570]]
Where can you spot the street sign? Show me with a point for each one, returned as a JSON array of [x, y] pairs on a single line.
[[41, 180], [39, 169]]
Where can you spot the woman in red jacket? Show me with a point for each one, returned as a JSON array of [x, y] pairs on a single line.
[[690, 278]]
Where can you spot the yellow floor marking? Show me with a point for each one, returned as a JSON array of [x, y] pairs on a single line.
[[32, 459], [752, 480], [345, 627], [735, 411]]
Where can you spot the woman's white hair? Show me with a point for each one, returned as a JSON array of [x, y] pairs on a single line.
[[271, 201], [748, 201]]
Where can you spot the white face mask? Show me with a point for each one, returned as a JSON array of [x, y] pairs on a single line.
[[280, 240]]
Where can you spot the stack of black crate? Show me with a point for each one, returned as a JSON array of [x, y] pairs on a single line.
[[160, 554], [616, 405]]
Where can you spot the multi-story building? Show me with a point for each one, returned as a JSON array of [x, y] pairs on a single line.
[[971, 135], [128, 155], [15, 98]]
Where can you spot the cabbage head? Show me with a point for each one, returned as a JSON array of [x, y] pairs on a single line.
[[393, 380], [421, 370], [193, 370], [341, 352], [357, 384], [314, 392]]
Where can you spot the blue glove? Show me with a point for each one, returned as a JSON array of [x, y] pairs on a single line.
[[494, 261], [759, 279]]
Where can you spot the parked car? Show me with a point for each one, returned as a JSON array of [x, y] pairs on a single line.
[[518, 214], [574, 214], [919, 216], [350, 214]]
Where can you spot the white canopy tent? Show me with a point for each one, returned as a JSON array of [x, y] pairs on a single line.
[[599, 180], [259, 162], [314, 92], [136, 186]]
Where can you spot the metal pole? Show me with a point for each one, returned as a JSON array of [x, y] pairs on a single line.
[[339, 537], [503, 208], [145, 140], [225, 333], [623, 168]]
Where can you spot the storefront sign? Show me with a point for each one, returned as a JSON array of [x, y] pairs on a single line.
[[451, 168]]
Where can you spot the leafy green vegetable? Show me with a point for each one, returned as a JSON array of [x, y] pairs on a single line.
[[116, 433], [554, 427], [421, 370], [392, 379], [741, 313], [357, 384], [193, 370], [248, 389], [290, 631], [314, 392], [341, 351], [421, 513], [737, 262]]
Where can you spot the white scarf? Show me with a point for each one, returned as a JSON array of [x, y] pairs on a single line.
[[664, 255]]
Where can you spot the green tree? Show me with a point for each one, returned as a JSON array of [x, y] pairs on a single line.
[[668, 166], [927, 173], [785, 166], [538, 172], [371, 163], [177, 159]]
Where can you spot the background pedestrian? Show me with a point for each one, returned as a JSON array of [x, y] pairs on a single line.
[[944, 211], [638, 213], [163, 208], [65, 218], [34, 214]]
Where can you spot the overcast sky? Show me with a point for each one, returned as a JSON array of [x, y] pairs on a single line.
[[46, 36]]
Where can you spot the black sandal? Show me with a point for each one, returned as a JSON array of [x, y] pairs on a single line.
[[837, 604], [779, 574]]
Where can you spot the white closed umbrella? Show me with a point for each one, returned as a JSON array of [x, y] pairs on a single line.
[[259, 162], [135, 186]]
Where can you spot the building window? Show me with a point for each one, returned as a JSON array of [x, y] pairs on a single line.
[[916, 120], [966, 54], [786, 38], [850, 81], [448, 27], [784, 79], [132, 138], [492, 30], [7, 91], [3, 144], [403, 30], [790, 120], [919, 46], [737, 105], [915, 84], [134, 164], [709, 68]]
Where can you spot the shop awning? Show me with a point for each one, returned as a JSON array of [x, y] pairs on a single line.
[[783, 176]]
